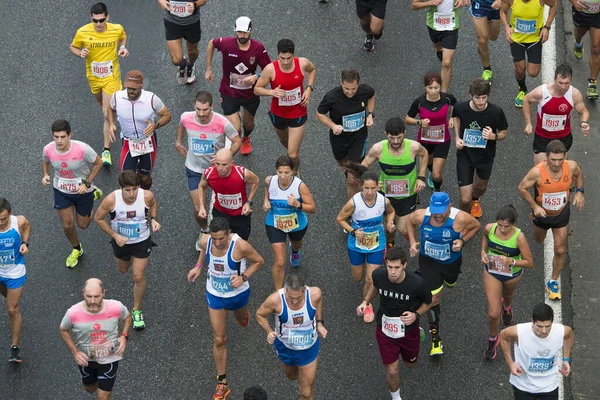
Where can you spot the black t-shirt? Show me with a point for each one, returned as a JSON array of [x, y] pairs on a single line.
[[474, 122], [432, 106], [354, 109], [396, 298]]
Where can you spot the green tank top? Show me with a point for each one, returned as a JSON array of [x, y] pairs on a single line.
[[507, 248], [398, 173], [443, 17]]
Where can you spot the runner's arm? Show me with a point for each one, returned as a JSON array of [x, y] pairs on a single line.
[[470, 224], [45, 170], [202, 192], [502, 134], [181, 132], [526, 260], [260, 89], [553, 4], [413, 221], [252, 257], [456, 124], [507, 336], [267, 308], [568, 341], [309, 67], [504, 18], [126, 324], [420, 4], [25, 232], [532, 97], [165, 117], [485, 243], [236, 143], [424, 157], [325, 120], [527, 183], [68, 339], [251, 179], [390, 214], [578, 199], [95, 169], [210, 51], [316, 298], [345, 213], [152, 205], [373, 155], [370, 110], [102, 212], [199, 3], [266, 199], [584, 114], [308, 203], [202, 254]]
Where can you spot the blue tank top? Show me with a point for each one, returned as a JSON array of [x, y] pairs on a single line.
[[436, 241], [371, 220], [281, 215], [296, 329], [221, 269], [12, 262]]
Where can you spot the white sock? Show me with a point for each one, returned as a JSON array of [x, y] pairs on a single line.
[[396, 395]]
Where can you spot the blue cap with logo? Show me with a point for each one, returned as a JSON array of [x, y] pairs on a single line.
[[439, 203]]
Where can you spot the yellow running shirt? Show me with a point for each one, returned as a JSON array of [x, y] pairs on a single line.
[[102, 60]]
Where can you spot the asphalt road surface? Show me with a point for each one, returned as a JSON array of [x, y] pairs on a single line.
[[172, 359]]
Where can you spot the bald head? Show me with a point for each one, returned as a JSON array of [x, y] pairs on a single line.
[[223, 156], [223, 162], [93, 284]]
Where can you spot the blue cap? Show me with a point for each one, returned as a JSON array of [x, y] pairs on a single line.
[[439, 203]]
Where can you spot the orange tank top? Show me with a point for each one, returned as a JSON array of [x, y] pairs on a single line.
[[553, 195]]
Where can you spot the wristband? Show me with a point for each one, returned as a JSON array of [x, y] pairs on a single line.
[[320, 321], [419, 122], [417, 315], [153, 217], [422, 178], [250, 202], [257, 75], [122, 47], [156, 125], [580, 190], [125, 336], [352, 232], [514, 262], [567, 359], [25, 243], [198, 265], [299, 207], [463, 240], [547, 27], [371, 114]]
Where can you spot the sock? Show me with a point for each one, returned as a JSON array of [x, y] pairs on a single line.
[[522, 85], [440, 54], [506, 308], [107, 148], [592, 81], [190, 66], [183, 63], [488, 68], [437, 185], [78, 247], [473, 198], [221, 378], [247, 132], [578, 44], [295, 251], [396, 395], [433, 315], [493, 338]]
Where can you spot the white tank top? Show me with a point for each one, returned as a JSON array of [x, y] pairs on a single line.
[[296, 329], [221, 269], [132, 115], [130, 220]]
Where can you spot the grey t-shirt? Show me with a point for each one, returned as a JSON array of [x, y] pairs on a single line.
[[180, 13]]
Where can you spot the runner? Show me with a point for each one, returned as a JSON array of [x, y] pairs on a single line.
[[74, 192], [232, 200], [98, 42], [504, 253], [553, 117], [586, 17], [398, 179], [444, 231], [227, 289], [434, 109], [372, 16], [136, 109], [241, 57], [130, 209], [478, 125], [298, 325], [206, 132], [529, 34], [289, 98], [534, 370], [350, 107], [90, 329], [550, 209], [14, 245], [486, 20], [372, 214], [403, 297], [287, 200], [182, 21]]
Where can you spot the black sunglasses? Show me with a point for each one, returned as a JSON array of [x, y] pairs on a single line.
[[98, 21]]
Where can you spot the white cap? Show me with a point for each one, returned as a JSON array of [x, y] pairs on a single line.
[[243, 24]]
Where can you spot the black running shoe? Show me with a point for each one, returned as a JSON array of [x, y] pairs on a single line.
[[490, 352], [15, 355], [369, 43]]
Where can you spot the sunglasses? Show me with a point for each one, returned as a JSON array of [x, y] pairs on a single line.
[[98, 21]]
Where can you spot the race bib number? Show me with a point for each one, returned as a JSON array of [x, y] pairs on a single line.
[[440, 252], [230, 201], [101, 351], [591, 8], [554, 201], [7, 257], [203, 147], [290, 98], [286, 223], [221, 284], [236, 81], [368, 242], [435, 133], [392, 327], [102, 69], [129, 230], [474, 138], [525, 25], [538, 364], [181, 9], [139, 147], [443, 21], [396, 188], [69, 185], [553, 123], [496, 267], [353, 122], [301, 337]]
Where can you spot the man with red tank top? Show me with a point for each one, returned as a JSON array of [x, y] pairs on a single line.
[[552, 180], [289, 98], [553, 117], [232, 202]]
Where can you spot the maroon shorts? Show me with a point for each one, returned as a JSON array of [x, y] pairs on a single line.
[[390, 349]]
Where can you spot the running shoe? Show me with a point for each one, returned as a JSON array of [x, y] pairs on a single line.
[[440, 55], [369, 43], [553, 290], [421, 334], [476, 210], [490, 352], [181, 74], [369, 314], [106, 160], [97, 193], [430, 180], [519, 99], [294, 258], [578, 50], [507, 315], [246, 321], [437, 348], [191, 75], [221, 392], [15, 355], [592, 89], [246, 146], [487, 75], [73, 258], [138, 320]]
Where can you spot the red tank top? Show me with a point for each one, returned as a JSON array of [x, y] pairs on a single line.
[[293, 83], [553, 195], [553, 117], [230, 192]]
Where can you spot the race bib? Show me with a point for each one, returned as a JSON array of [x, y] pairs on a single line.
[[538, 364], [553, 123], [139, 147], [230, 201], [474, 138], [368, 242], [392, 327], [396, 188], [7, 258], [290, 98], [353, 122], [101, 351], [236, 81], [440, 252], [554, 201], [525, 25], [301, 337], [129, 230], [69, 185], [435, 133], [221, 284], [443, 21], [286, 223], [203, 147], [102, 69], [181, 9], [496, 267], [591, 8]]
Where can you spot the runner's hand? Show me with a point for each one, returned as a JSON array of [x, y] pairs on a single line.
[[267, 205], [122, 345], [457, 245], [497, 4], [164, 4], [208, 75], [202, 213], [120, 240], [425, 123], [82, 189], [451, 123], [322, 331], [236, 281], [528, 129], [360, 310], [24, 249], [508, 34], [190, 7], [155, 225], [278, 92], [246, 209], [338, 129], [460, 144], [578, 4], [488, 134], [250, 80], [516, 369], [46, 180], [359, 233], [123, 52], [306, 98], [369, 120], [194, 274], [539, 212], [578, 201], [271, 337], [150, 128], [565, 368], [484, 257], [391, 227], [112, 129], [181, 150], [81, 359], [419, 185], [544, 35], [84, 52], [408, 317], [438, 2], [585, 128], [414, 249], [293, 202]]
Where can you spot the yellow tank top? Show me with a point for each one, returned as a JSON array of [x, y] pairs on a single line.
[[102, 60], [526, 20]]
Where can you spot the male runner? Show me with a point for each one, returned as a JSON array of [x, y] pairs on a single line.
[[289, 98], [206, 132], [586, 17], [403, 297], [74, 192], [241, 57], [486, 20], [136, 109], [534, 370], [399, 179], [350, 107], [97, 42], [553, 117], [227, 288], [478, 125], [232, 200], [14, 245], [372, 15], [444, 231], [90, 329], [182, 21], [526, 33], [130, 208], [299, 322], [552, 180]]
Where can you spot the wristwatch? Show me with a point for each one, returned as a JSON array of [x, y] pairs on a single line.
[[417, 315], [371, 114], [580, 190], [245, 277], [312, 87], [86, 183], [250, 202]]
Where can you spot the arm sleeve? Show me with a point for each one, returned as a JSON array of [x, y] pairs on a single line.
[[77, 40], [502, 122], [113, 102], [66, 322], [264, 59], [230, 131], [414, 108], [122, 34], [157, 103], [90, 154], [451, 99], [44, 156], [218, 43], [370, 92], [325, 105], [123, 313]]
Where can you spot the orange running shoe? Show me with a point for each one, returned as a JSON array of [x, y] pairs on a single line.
[[221, 392], [476, 210], [246, 146], [369, 314]]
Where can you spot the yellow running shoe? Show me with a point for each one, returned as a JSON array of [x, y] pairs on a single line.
[[437, 348], [487, 75], [578, 50], [519, 99], [73, 258], [106, 160]]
